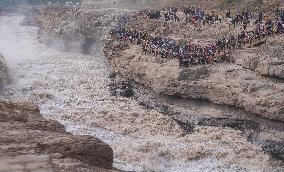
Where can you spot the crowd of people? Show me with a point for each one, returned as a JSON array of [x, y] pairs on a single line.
[[189, 54], [200, 17], [169, 14], [196, 16]]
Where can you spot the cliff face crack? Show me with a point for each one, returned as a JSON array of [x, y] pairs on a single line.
[[275, 149], [186, 126], [242, 125], [251, 128]]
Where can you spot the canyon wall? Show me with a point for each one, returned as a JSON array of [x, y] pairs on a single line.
[[227, 83]]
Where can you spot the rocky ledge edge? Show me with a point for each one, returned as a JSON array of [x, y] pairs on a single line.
[[30, 142], [231, 84]]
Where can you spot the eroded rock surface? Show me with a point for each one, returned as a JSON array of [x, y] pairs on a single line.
[[227, 83], [267, 60], [24, 132]]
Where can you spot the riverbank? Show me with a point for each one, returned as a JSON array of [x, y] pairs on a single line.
[[28, 141], [245, 94], [73, 88], [182, 120]]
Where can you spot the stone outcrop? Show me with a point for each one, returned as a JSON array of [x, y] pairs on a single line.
[[80, 31], [237, 84], [248, 83], [32, 163], [3, 72], [267, 60], [241, 84], [275, 70], [25, 133]]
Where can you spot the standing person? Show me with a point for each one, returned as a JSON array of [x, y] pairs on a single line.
[[260, 16], [282, 16], [144, 47], [277, 11], [243, 13], [269, 27], [245, 24], [274, 29], [230, 21], [228, 13], [280, 28]]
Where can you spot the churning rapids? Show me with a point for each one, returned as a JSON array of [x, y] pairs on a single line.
[[73, 89]]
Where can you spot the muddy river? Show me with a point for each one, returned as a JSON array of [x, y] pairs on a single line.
[[72, 88]]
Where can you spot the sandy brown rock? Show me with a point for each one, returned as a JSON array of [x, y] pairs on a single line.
[[241, 84], [272, 70], [267, 60], [24, 132], [227, 83]]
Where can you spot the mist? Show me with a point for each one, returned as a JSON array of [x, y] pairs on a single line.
[[19, 46]]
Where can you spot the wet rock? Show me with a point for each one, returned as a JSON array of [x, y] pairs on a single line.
[[275, 149], [186, 126], [40, 163], [193, 73], [241, 125], [120, 87]]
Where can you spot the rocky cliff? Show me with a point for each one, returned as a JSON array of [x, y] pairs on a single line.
[[74, 31], [253, 80], [25, 133], [232, 84]]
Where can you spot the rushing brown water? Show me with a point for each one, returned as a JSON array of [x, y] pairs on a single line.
[[73, 89]]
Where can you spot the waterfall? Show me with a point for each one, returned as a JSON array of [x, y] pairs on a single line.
[[4, 76]]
